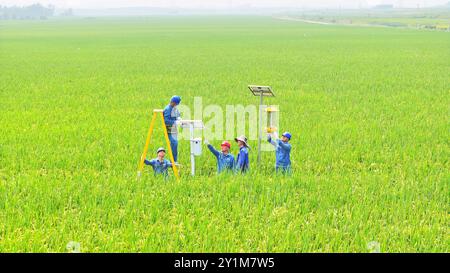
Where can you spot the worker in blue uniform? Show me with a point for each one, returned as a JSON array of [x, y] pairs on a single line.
[[242, 161], [171, 118], [282, 152]]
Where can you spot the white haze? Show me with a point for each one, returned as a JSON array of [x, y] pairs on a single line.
[[224, 4]]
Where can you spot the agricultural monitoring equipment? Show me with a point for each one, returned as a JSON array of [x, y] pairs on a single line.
[[271, 111], [196, 143], [157, 112], [272, 119]]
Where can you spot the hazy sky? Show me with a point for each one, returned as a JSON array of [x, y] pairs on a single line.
[[221, 3]]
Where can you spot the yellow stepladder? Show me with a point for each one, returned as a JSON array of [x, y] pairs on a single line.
[[147, 143]]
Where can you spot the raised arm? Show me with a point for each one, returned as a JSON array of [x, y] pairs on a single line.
[[270, 140], [214, 151]]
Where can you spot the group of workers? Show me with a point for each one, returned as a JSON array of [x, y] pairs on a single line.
[[225, 160]]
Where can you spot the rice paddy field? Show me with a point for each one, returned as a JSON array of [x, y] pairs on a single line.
[[432, 18], [368, 109]]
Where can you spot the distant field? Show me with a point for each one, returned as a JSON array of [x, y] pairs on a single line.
[[368, 109], [410, 18]]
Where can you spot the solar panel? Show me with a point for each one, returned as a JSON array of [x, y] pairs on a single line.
[[258, 90], [197, 124]]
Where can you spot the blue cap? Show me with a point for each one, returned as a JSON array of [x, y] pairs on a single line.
[[176, 99], [287, 134]]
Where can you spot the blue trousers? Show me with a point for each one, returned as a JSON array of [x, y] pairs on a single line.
[[284, 170], [174, 145]]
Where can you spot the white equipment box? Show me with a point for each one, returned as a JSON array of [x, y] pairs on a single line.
[[196, 143], [196, 146]]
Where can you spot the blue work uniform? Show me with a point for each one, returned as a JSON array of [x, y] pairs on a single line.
[[224, 162], [158, 166], [170, 117], [282, 155], [242, 161]]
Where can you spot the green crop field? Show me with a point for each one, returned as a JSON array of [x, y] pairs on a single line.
[[368, 109], [433, 18]]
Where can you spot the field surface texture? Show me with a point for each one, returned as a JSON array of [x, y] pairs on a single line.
[[368, 109]]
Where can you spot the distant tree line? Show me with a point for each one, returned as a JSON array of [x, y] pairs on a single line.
[[32, 12]]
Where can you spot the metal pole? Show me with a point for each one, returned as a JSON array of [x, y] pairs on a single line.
[[260, 128], [191, 128]]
